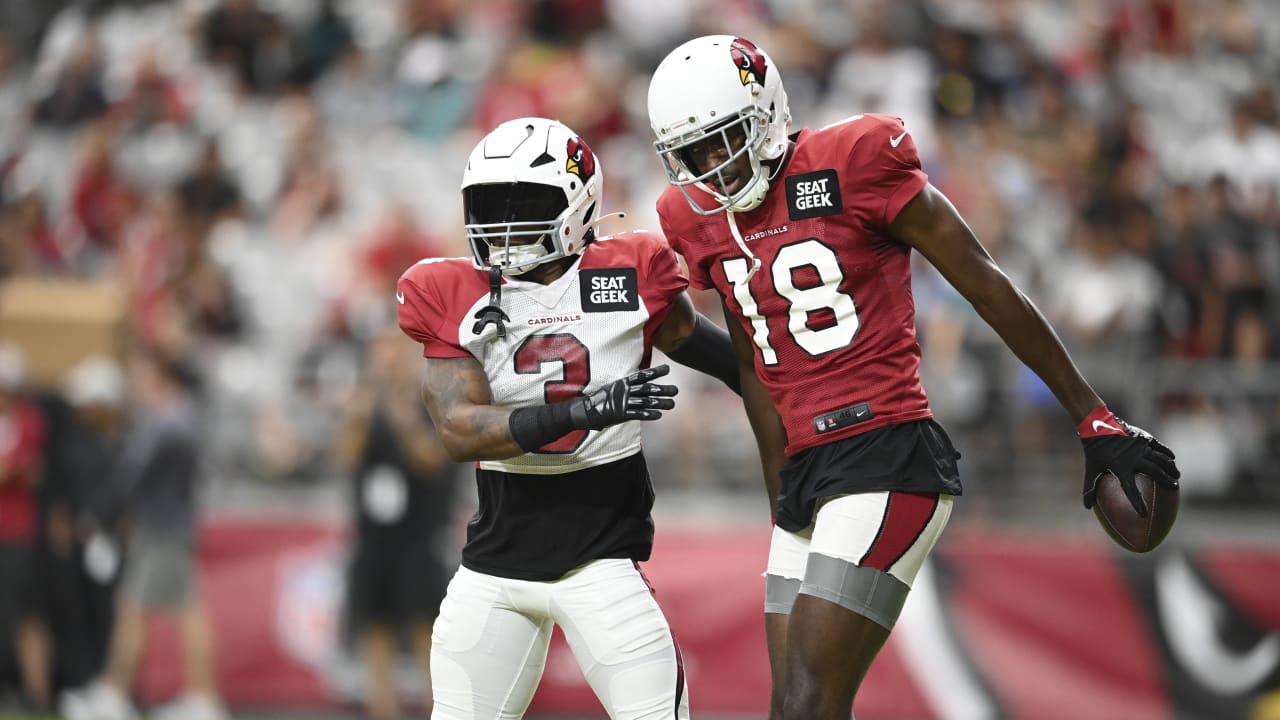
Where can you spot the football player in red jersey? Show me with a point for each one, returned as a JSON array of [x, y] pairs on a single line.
[[807, 237], [524, 344]]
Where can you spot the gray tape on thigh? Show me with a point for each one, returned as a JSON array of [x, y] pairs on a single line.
[[864, 590], [780, 593]]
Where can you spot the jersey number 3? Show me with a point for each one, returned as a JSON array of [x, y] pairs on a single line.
[[807, 275], [575, 362]]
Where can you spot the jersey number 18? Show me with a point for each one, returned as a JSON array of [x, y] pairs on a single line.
[[824, 298]]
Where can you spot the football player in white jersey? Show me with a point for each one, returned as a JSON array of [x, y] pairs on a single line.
[[537, 358]]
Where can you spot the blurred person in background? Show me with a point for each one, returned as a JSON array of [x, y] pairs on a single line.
[[80, 561], [250, 42], [153, 489], [520, 342], [76, 96], [209, 193], [103, 200], [22, 447], [321, 43], [402, 500], [808, 240]]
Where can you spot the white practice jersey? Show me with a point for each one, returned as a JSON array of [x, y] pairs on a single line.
[[592, 326]]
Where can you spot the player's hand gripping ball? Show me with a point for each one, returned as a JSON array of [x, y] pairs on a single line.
[[1131, 481]]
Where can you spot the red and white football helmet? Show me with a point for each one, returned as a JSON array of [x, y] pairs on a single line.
[[530, 193], [714, 85]]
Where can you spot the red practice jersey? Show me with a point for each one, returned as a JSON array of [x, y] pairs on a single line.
[[591, 326], [830, 310]]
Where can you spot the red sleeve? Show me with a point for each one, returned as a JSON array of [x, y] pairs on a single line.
[[698, 277], [664, 278], [421, 315], [885, 169]]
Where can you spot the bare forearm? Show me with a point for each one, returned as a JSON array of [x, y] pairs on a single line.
[[766, 424], [457, 395], [478, 432], [770, 437], [1024, 329], [930, 224]]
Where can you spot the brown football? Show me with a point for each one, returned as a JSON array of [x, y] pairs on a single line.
[[1117, 516]]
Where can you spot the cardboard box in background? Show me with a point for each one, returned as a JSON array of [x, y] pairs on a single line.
[[59, 322]]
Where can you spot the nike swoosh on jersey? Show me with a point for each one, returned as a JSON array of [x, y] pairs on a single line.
[[893, 142], [400, 297], [1097, 423]]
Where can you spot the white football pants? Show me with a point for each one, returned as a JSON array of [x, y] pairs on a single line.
[[489, 645]]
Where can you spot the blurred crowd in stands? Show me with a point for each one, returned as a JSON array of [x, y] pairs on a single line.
[[255, 174]]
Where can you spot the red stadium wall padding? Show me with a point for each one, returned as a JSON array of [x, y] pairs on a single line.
[[997, 626]]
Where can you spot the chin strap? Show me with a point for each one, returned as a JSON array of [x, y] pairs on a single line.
[[742, 245], [609, 216], [492, 313]]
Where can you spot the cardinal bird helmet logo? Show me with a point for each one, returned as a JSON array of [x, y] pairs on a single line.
[[581, 161], [749, 60]]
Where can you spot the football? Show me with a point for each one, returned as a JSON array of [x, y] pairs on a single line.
[[1129, 529]]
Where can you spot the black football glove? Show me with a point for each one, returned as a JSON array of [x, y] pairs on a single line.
[[1113, 444], [631, 398]]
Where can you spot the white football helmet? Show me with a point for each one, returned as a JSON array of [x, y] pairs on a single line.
[[716, 85], [529, 195]]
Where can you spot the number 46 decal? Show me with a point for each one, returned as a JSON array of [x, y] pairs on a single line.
[[825, 297]]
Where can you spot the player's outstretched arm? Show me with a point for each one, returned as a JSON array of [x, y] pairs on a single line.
[[766, 424], [457, 394], [693, 340], [931, 224]]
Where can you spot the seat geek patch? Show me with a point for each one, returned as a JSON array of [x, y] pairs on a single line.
[[609, 289], [814, 194]]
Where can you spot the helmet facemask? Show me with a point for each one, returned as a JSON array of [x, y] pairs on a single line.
[[517, 226], [676, 154]]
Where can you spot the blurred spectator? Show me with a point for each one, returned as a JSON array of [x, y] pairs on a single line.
[[209, 193], [1236, 284], [77, 95], [1182, 259], [13, 103], [1102, 295], [80, 563], [402, 501], [356, 95], [22, 610], [153, 486], [437, 68], [154, 97], [322, 42], [153, 249], [250, 41], [397, 242], [102, 199], [25, 236], [1246, 153]]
